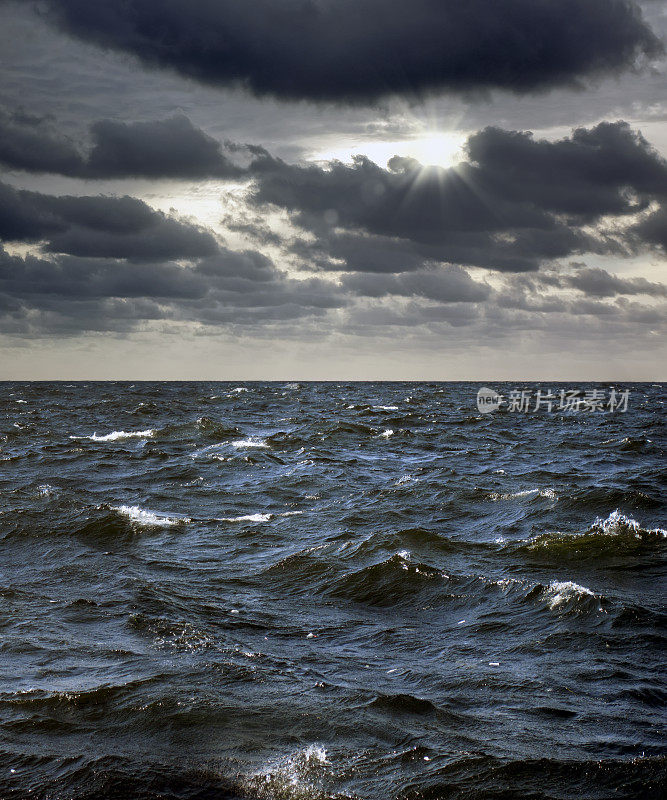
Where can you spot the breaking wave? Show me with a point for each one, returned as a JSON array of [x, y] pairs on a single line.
[[114, 436], [616, 535], [149, 519]]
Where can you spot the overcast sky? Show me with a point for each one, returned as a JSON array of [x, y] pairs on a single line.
[[333, 189]]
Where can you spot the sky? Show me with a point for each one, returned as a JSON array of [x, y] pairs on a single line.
[[333, 190]]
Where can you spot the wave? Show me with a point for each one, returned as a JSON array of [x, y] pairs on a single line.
[[310, 774], [91, 697], [259, 517], [149, 519], [485, 776], [548, 493], [251, 442], [116, 435], [171, 634], [110, 777], [609, 496], [300, 776], [615, 535], [387, 583], [246, 518], [213, 429], [564, 594], [402, 704]]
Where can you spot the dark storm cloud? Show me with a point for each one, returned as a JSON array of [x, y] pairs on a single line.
[[169, 148], [359, 50], [597, 282], [65, 294], [514, 204], [29, 143], [654, 228], [103, 227], [585, 175], [451, 285], [593, 282]]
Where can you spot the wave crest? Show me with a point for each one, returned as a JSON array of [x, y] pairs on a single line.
[[615, 535]]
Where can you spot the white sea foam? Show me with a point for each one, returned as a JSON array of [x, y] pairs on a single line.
[[386, 434], [115, 435], [149, 519], [548, 493], [246, 518], [251, 442], [21, 401], [560, 593], [240, 389], [385, 408], [296, 777], [617, 524]]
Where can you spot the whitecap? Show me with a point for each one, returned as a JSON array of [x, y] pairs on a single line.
[[548, 493], [149, 519], [385, 408], [560, 593], [246, 518], [386, 434], [293, 778], [21, 401], [251, 442], [115, 435], [240, 389], [616, 524]]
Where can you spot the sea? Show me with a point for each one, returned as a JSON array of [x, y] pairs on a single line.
[[315, 591]]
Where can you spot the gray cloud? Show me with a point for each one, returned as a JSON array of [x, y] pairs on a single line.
[[515, 204], [67, 294], [450, 285], [168, 148], [102, 226], [654, 228], [358, 50], [600, 283]]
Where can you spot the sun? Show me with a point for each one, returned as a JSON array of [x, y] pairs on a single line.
[[430, 148]]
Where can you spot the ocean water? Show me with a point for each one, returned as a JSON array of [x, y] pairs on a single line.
[[318, 590]]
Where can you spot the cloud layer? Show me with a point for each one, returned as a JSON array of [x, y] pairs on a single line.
[[169, 148], [99, 227], [516, 203], [355, 51], [395, 247]]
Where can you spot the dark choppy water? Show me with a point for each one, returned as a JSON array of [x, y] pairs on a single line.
[[266, 594]]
